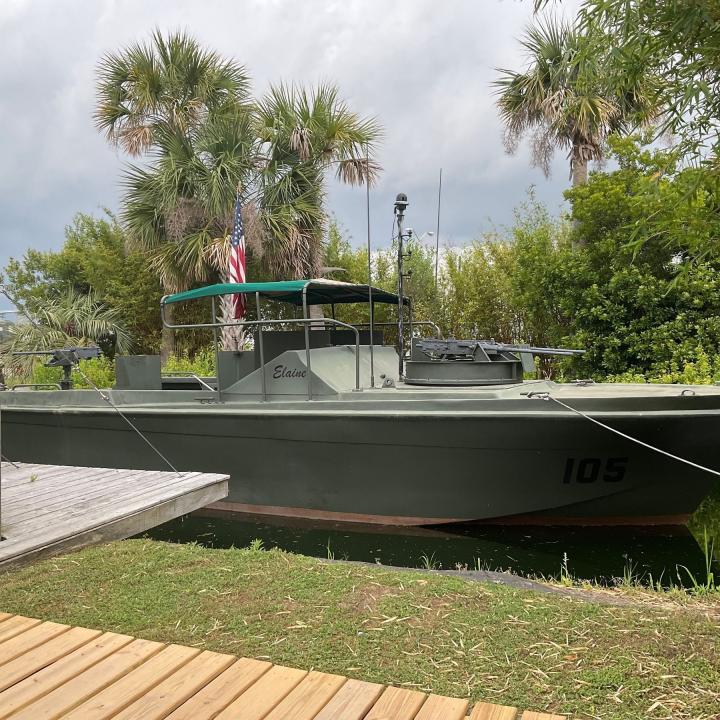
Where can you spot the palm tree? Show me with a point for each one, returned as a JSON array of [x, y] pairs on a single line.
[[564, 98], [190, 111], [305, 134], [171, 84]]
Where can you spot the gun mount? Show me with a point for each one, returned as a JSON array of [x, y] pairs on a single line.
[[472, 362], [66, 358]]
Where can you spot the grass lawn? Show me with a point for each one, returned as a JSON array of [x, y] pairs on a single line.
[[650, 656]]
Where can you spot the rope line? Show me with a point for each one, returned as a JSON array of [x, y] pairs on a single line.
[[107, 399], [8, 460], [548, 396]]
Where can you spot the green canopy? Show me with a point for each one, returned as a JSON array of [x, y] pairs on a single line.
[[319, 292]]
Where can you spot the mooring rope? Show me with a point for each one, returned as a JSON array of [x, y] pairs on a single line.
[[547, 396], [107, 399], [8, 460]]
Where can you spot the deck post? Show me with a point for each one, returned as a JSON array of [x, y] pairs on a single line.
[[217, 352], [261, 347], [307, 342]]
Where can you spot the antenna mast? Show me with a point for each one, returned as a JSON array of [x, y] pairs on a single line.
[[437, 231], [401, 202], [370, 298]]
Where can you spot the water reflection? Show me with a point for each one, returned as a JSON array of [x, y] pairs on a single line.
[[599, 554]]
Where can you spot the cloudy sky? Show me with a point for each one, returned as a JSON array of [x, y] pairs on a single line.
[[424, 68]]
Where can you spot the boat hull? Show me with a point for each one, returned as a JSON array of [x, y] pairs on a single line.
[[394, 467]]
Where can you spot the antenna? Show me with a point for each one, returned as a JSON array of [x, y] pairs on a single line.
[[437, 231], [370, 298], [401, 202]]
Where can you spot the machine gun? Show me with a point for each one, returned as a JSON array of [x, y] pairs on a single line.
[[65, 358], [486, 351]]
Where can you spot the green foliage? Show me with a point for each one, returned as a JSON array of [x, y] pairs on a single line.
[[93, 261], [100, 371], [641, 298], [677, 41], [202, 363]]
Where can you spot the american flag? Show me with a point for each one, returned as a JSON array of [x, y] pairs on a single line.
[[236, 269]]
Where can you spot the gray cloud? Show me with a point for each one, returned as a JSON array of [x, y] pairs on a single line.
[[423, 68]]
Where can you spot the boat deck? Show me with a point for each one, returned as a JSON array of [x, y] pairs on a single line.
[[48, 509], [49, 670]]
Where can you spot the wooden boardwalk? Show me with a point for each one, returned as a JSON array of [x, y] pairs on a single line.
[[49, 671], [48, 509]]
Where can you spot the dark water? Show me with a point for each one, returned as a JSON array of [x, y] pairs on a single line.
[[600, 554]]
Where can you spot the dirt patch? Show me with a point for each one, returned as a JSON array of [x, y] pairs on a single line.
[[365, 598]]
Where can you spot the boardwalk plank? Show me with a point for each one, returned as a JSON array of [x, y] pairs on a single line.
[[529, 715], [398, 704], [225, 688], [176, 689], [133, 685], [352, 701], [14, 626], [308, 698], [437, 707], [4, 616], [28, 640], [486, 711], [53, 676], [44, 655], [256, 702], [85, 685]]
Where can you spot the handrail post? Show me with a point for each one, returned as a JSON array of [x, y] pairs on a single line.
[[307, 342], [357, 359], [262, 349], [217, 352]]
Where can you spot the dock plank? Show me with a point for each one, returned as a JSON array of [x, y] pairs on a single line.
[[133, 684], [264, 695], [44, 655], [486, 711], [437, 707], [529, 715], [225, 688], [352, 701], [308, 698], [28, 640], [70, 507], [89, 684], [176, 689], [37, 686], [14, 626], [398, 704]]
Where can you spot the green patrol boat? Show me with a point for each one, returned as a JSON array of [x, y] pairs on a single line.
[[324, 420]]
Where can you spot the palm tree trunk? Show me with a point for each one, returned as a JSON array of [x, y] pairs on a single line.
[[316, 313], [233, 337], [167, 338], [579, 177], [580, 172]]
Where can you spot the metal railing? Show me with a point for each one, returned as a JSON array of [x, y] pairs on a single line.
[[260, 323], [58, 386], [428, 323]]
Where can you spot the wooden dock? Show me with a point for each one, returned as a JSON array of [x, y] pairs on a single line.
[[49, 671], [48, 509]]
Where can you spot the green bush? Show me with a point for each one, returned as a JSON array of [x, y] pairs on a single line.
[[201, 364], [101, 371]]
